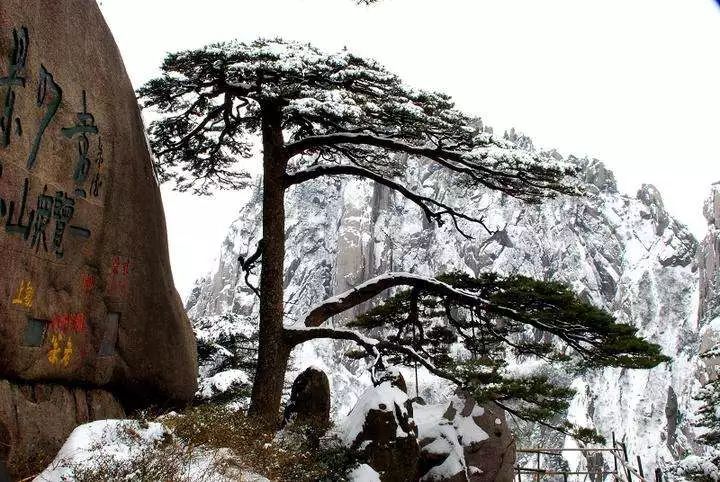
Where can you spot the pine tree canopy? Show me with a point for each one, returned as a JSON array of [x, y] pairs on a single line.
[[334, 110], [490, 317]]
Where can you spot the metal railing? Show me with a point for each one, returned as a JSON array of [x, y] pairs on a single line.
[[623, 470]]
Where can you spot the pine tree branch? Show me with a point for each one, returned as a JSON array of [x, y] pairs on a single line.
[[372, 346], [519, 415], [373, 287], [248, 264], [295, 336], [367, 138], [515, 181], [213, 114], [425, 203], [591, 334]]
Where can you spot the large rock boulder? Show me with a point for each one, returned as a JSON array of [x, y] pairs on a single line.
[[91, 320], [464, 441], [381, 428], [309, 402]]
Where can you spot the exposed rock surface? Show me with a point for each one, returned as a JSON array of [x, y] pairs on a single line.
[[309, 399], [708, 369], [623, 252], [497, 453], [86, 293], [43, 416], [709, 258]]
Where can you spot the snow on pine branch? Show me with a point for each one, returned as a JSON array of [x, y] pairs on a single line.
[[373, 287], [212, 102]]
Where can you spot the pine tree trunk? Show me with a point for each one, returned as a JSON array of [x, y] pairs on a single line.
[[273, 352]]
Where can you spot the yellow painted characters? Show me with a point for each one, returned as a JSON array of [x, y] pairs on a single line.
[[63, 329], [25, 295]]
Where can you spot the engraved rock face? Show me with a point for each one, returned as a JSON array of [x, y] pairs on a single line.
[[86, 293]]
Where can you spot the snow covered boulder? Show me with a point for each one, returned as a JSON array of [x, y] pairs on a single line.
[[464, 442], [309, 399], [382, 428]]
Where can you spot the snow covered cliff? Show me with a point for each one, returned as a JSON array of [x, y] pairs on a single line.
[[623, 252]]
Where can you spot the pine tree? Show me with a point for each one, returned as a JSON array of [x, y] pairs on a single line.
[[321, 115], [228, 352]]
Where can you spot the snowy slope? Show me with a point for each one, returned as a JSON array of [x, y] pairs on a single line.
[[623, 252]]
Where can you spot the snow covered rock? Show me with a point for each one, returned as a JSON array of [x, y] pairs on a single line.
[[697, 468], [463, 441], [381, 427], [364, 473]]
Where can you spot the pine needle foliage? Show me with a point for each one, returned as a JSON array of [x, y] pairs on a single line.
[[513, 315], [706, 467], [708, 415], [211, 103]]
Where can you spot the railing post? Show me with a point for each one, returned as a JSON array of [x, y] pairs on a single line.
[[537, 477], [642, 473], [627, 469], [615, 453]]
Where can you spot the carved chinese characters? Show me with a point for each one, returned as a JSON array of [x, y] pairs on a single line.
[[14, 79], [88, 311], [41, 208]]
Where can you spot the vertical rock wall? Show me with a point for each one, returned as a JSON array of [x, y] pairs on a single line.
[[709, 258]]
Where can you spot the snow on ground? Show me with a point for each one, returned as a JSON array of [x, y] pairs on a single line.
[[364, 473], [221, 382], [123, 449]]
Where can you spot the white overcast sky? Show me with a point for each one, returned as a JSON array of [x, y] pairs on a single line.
[[635, 83]]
